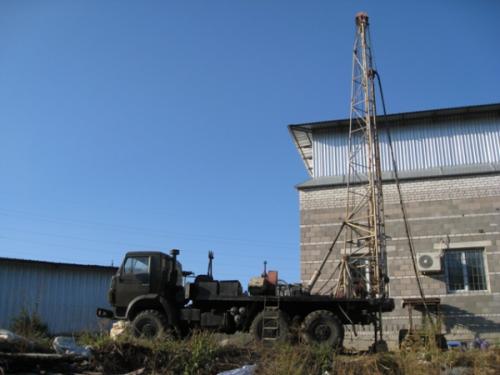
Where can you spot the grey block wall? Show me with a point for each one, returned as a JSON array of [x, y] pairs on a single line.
[[454, 212]]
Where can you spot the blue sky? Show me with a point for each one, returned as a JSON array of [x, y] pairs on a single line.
[[131, 125]]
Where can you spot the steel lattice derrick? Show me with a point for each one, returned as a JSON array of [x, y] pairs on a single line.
[[363, 253], [359, 273]]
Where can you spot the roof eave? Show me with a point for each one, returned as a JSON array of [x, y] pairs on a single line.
[[431, 113], [442, 172]]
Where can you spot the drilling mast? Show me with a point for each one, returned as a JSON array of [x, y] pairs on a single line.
[[363, 253], [360, 271]]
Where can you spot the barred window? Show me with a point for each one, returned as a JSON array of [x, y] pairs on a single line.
[[464, 270]]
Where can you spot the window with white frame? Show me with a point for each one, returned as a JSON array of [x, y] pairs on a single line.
[[464, 270]]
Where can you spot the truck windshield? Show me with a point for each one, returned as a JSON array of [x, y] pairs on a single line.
[[136, 266]]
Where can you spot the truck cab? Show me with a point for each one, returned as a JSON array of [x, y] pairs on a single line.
[[146, 279]]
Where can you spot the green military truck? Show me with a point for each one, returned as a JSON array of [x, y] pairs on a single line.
[[149, 291]]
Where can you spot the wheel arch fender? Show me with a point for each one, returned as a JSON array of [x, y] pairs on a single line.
[[150, 301]]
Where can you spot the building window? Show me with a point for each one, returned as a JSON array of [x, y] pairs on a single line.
[[464, 270]]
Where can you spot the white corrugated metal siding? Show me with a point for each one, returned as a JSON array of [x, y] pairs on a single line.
[[65, 297], [449, 143]]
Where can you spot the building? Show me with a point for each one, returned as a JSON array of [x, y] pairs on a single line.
[[449, 166], [64, 295]]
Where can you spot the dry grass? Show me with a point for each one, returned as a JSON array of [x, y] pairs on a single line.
[[285, 359], [202, 354], [300, 360]]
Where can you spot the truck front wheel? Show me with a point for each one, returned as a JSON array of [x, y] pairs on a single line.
[[150, 324], [323, 327]]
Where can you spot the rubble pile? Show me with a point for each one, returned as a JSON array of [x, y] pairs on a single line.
[[20, 354]]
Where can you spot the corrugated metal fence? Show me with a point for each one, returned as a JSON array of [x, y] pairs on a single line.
[[65, 296], [449, 143]]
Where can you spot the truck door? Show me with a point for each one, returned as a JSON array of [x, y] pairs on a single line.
[[134, 279]]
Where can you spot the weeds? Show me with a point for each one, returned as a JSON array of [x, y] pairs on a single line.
[[198, 355], [283, 359], [201, 354], [29, 325]]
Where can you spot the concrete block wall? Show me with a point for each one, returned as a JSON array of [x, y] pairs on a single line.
[[448, 212]]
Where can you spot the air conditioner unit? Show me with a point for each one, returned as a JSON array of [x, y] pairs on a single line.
[[429, 262]]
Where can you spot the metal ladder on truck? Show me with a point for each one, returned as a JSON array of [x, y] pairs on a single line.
[[270, 320]]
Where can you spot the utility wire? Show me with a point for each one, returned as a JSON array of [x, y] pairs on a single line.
[[143, 231], [401, 202], [101, 249]]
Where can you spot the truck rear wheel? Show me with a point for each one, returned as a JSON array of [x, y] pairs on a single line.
[[150, 324], [283, 327], [323, 327]]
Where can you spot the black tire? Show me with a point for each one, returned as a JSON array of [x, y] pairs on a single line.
[[284, 327], [150, 324], [323, 327]]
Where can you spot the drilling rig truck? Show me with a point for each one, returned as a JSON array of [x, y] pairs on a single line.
[[149, 291]]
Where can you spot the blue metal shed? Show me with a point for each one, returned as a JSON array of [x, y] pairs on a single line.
[[64, 295]]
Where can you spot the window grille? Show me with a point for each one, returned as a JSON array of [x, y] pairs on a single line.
[[465, 270]]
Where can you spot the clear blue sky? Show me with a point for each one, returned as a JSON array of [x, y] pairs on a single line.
[[160, 124]]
